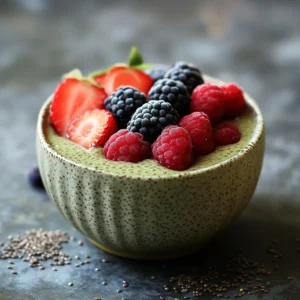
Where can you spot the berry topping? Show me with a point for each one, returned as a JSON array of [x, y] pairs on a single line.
[[234, 100], [226, 133], [100, 79], [199, 128], [157, 73], [123, 103], [35, 179], [151, 118], [127, 76], [208, 98], [173, 149], [127, 146], [187, 73], [72, 98], [92, 128], [171, 91]]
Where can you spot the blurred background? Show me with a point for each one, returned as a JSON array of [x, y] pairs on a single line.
[[251, 42]]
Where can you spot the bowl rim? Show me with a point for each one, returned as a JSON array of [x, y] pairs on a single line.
[[258, 132]]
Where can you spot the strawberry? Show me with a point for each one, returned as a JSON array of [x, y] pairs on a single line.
[[72, 98], [100, 79], [122, 75], [93, 128]]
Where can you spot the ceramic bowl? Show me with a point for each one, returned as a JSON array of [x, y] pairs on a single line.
[[159, 216]]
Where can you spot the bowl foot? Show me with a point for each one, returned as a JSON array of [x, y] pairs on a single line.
[[149, 256]]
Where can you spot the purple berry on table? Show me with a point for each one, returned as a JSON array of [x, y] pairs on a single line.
[[34, 178]]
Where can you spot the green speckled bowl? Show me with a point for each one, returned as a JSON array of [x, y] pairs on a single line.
[[146, 211]]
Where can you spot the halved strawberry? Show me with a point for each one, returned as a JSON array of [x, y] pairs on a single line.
[[93, 128], [122, 75], [100, 79], [72, 98]]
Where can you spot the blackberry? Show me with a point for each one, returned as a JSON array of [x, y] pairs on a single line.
[[187, 73], [123, 103], [157, 72], [151, 118], [172, 91]]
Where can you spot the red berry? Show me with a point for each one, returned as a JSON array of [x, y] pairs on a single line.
[[226, 133], [101, 79], [199, 128], [234, 100], [71, 99], [208, 98], [127, 146], [126, 76], [93, 128], [173, 149]]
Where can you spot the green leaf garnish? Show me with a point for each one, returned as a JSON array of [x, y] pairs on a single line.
[[144, 67], [135, 57]]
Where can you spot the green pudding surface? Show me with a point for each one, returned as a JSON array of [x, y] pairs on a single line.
[[95, 159]]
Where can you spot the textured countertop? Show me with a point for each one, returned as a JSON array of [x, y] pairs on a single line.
[[255, 43]]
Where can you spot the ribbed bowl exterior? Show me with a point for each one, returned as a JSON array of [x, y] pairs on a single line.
[[150, 217]]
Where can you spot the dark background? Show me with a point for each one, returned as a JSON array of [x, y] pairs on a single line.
[[253, 43]]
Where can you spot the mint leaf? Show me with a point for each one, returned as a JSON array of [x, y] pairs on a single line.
[[144, 67], [135, 57]]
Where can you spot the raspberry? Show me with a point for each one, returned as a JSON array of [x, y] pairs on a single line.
[[173, 149], [234, 101], [226, 133], [208, 98], [127, 146], [198, 126]]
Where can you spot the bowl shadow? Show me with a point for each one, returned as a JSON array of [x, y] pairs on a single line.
[[259, 227]]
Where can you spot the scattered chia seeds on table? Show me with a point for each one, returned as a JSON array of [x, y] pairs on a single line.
[[37, 246], [240, 277]]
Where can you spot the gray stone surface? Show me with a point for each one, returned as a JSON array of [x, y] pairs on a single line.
[[255, 43]]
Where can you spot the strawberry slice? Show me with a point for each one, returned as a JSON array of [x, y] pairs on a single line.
[[122, 75], [93, 128], [100, 79], [72, 98]]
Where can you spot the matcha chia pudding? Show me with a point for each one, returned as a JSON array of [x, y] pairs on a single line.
[[149, 161]]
